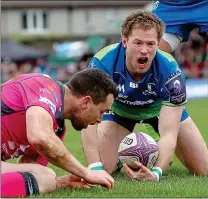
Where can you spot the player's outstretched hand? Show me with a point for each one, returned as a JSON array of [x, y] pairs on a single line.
[[72, 181], [143, 172], [100, 177]]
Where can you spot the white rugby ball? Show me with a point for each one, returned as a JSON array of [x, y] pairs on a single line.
[[138, 147]]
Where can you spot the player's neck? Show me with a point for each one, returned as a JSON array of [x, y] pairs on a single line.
[[135, 76]]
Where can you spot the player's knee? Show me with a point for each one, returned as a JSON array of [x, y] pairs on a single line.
[[50, 172], [200, 171], [46, 179], [48, 183]]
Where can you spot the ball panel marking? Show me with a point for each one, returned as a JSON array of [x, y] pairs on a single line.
[[138, 147]]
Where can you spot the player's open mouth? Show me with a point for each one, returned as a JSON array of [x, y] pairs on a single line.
[[142, 60]]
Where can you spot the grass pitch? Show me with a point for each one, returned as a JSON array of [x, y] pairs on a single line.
[[177, 182]]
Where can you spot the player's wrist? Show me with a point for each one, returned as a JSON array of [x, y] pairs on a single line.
[[157, 171], [96, 166]]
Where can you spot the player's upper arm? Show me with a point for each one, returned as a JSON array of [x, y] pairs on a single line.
[[39, 124], [175, 89], [173, 92]]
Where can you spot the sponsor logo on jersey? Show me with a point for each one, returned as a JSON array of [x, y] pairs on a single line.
[[53, 92], [121, 88], [121, 96], [150, 89], [44, 90], [137, 102], [155, 5], [92, 65], [4, 148], [19, 151], [133, 85], [45, 75], [177, 89], [109, 113], [49, 102], [10, 146], [177, 86]]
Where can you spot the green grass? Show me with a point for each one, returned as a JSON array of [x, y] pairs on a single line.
[[176, 182]]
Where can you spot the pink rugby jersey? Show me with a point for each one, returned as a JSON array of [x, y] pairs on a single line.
[[17, 95]]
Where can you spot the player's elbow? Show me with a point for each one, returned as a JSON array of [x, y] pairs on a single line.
[[37, 140], [169, 139]]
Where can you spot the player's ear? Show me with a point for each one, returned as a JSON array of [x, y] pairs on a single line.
[[158, 42], [85, 101], [124, 41]]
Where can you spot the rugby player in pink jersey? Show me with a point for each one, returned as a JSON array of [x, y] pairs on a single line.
[[33, 112]]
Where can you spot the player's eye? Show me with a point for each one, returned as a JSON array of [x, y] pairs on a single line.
[[137, 42]]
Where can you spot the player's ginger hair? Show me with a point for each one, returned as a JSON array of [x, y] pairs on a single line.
[[144, 20]]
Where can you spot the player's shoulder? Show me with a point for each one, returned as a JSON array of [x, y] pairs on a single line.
[[164, 56], [108, 51], [106, 58], [166, 61], [165, 65]]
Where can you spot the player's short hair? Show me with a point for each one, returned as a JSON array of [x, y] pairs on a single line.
[[92, 82], [144, 20]]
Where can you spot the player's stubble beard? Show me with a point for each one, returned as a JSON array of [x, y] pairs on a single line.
[[131, 65], [77, 125], [77, 120]]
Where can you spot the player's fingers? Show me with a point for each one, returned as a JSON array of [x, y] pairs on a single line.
[[142, 167], [87, 186], [107, 184], [139, 164], [79, 185], [140, 176], [128, 171], [112, 182], [109, 187], [75, 178], [103, 182]]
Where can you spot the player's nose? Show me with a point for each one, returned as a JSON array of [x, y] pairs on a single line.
[[144, 50], [99, 119]]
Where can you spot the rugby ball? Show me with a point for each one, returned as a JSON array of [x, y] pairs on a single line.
[[138, 147]]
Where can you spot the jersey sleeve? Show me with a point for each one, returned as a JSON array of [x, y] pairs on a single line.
[[173, 87], [42, 96]]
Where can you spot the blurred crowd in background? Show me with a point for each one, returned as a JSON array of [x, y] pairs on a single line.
[[192, 57]]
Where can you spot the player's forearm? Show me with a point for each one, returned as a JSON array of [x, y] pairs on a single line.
[[56, 153], [168, 129], [166, 146], [90, 143]]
